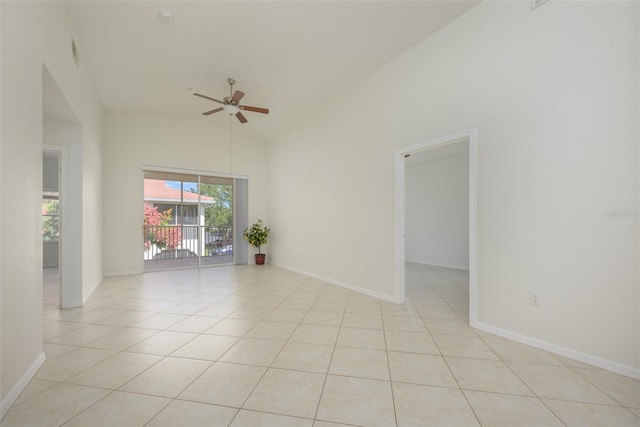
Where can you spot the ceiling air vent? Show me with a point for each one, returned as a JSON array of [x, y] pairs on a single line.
[[75, 52]]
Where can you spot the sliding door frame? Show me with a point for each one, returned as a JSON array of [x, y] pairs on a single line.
[[239, 218]]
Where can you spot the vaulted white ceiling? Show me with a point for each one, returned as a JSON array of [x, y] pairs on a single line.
[[288, 56]]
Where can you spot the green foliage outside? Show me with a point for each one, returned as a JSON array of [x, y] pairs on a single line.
[[220, 214], [50, 219], [158, 230]]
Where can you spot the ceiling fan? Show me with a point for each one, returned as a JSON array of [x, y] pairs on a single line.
[[230, 104]]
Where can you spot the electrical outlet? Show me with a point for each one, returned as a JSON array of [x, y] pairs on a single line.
[[535, 299]]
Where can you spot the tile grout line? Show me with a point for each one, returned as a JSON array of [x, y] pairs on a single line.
[[247, 286], [454, 376], [326, 377], [267, 368], [386, 348]]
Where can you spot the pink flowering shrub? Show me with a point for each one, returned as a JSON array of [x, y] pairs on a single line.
[[158, 231]]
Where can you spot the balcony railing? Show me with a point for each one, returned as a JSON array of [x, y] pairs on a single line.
[[163, 242]]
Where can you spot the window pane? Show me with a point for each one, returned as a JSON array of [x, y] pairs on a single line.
[[190, 197], [50, 219], [50, 207], [217, 201]]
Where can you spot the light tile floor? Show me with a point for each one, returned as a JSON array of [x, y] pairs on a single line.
[[254, 346]]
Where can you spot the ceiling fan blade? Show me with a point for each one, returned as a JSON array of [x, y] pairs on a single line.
[[237, 96], [240, 117], [254, 109], [215, 110], [208, 97]]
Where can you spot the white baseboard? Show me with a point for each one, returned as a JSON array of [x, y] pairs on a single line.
[[439, 265], [73, 304], [589, 359], [122, 273], [339, 283], [13, 395]]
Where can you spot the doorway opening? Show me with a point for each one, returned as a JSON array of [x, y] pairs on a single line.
[[62, 153], [451, 144], [51, 227], [190, 220]]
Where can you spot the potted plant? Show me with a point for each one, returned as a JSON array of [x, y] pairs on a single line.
[[257, 235]]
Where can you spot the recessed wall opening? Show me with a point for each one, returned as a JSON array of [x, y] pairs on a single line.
[[51, 227], [62, 169], [436, 227]]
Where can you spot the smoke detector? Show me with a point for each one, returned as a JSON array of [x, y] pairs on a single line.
[[165, 16]]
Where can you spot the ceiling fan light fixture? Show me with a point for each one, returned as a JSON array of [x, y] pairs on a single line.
[[231, 109]]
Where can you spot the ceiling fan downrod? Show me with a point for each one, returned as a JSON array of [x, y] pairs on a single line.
[[229, 98]]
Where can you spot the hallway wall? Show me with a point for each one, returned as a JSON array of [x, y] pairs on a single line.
[[34, 35], [553, 93]]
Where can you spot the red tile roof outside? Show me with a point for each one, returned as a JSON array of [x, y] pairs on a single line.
[[156, 190]]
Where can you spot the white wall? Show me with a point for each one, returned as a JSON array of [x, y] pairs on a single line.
[[437, 209], [50, 173], [50, 253], [191, 143], [554, 95], [33, 34]]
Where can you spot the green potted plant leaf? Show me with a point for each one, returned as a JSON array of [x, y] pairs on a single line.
[[257, 235]]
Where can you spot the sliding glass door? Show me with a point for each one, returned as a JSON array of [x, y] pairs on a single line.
[[218, 220], [188, 220]]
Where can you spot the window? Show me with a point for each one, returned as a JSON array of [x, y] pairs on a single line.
[[50, 216]]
